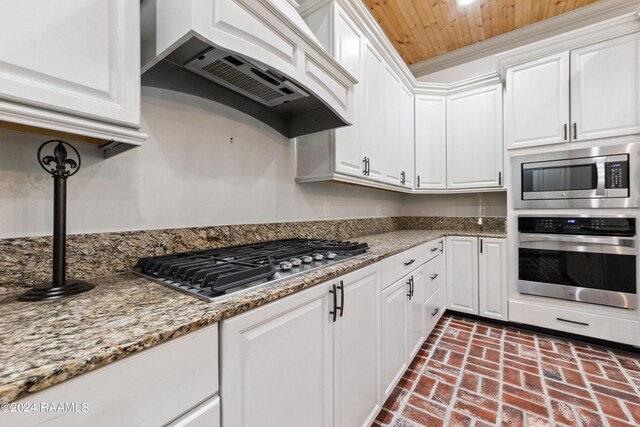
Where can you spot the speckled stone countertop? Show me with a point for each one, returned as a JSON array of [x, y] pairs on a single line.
[[49, 342]]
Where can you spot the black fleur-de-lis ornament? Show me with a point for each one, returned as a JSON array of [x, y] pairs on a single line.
[[60, 166]]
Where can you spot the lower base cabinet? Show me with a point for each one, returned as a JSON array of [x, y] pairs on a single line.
[[477, 276], [310, 359], [394, 318]]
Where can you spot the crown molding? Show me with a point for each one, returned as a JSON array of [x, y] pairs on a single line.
[[560, 24]]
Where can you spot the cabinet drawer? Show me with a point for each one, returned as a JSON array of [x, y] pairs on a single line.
[[433, 248], [575, 322], [396, 266], [433, 310], [433, 276]]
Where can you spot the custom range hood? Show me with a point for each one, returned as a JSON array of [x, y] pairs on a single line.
[[256, 56]]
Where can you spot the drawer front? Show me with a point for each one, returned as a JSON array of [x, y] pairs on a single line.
[[434, 276], [575, 322], [433, 310], [399, 265], [433, 248]]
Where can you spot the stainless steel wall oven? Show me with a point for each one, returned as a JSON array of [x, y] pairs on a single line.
[[599, 177], [587, 259]]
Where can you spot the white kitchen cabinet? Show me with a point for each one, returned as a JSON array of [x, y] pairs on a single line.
[[537, 102], [477, 276], [430, 142], [151, 388], [586, 93], [406, 135], [374, 112], [474, 138], [492, 281], [277, 363], [462, 274], [81, 71], [355, 348], [415, 313], [394, 338], [288, 363], [605, 89], [392, 141]]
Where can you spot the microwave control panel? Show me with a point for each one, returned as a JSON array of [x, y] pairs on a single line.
[[616, 174]]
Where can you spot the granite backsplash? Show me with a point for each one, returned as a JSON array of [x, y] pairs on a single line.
[[27, 261]]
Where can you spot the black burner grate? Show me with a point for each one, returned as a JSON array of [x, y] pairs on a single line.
[[213, 272]]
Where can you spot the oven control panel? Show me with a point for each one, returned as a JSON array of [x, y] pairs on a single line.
[[577, 225], [616, 175]]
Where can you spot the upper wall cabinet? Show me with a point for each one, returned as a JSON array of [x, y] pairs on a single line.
[[406, 136], [75, 69], [587, 93], [431, 142], [474, 138]]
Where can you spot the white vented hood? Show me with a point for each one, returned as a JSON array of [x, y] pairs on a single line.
[[257, 56]]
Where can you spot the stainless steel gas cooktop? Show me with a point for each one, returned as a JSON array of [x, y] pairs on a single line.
[[213, 273]]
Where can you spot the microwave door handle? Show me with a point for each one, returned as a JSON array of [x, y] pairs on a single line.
[[629, 242], [600, 170]]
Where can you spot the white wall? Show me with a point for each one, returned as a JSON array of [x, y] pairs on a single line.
[[474, 204], [187, 174]]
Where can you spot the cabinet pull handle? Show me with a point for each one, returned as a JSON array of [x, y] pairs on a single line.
[[410, 283], [418, 179], [434, 276], [572, 321], [575, 131], [500, 179], [341, 287], [441, 246], [409, 262], [434, 312], [412, 286], [368, 166], [434, 249], [364, 166], [481, 245], [334, 312], [404, 178], [565, 131]]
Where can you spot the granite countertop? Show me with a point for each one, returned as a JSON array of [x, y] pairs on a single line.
[[49, 342]]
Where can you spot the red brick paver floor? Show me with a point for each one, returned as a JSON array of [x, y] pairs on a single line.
[[473, 373]]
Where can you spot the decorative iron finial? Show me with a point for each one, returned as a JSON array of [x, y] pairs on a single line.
[[59, 164]]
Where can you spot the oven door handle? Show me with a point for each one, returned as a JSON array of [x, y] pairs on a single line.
[[597, 244]]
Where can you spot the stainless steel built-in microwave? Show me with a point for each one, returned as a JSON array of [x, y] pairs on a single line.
[[599, 177]]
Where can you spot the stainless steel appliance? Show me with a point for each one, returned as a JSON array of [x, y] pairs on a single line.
[[599, 177], [211, 274], [583, 258]]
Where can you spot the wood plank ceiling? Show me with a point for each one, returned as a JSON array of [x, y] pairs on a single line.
[[422, 29]]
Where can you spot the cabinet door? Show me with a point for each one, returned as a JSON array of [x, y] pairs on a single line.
[[434, 308], [372, 141], [537, 102], [348, 45], [406, 135], [474, 138], [605, 89], [431, 142], [492, 284], [81, 58], [394, 334], [356, 352], [462, 274], [391, 161], [415, 328], [277, 363]]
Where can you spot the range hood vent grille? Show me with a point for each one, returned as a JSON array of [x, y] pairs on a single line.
[[238, 74]]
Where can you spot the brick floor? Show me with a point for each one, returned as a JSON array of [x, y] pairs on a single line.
[[473, 373]]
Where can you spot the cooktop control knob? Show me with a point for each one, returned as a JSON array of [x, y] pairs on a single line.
[[331, 255], [286, 265], [295, 261], [318, 257], [307, 259]]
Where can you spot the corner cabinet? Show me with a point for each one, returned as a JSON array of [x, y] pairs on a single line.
[[431, 142], [80, 74], [474, 138], [582, 94], [308, 359], [477, 276]]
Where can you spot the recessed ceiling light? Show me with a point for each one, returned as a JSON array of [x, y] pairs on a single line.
[[465, 2]]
